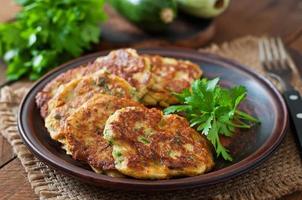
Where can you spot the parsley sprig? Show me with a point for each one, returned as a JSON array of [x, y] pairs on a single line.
[[46, 33], [213, 111]]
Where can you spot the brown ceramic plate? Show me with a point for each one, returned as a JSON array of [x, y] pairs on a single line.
[[249, 147]]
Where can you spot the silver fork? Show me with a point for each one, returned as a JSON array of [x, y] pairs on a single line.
[[279, 66]]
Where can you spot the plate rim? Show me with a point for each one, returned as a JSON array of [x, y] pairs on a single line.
[[257, 157]]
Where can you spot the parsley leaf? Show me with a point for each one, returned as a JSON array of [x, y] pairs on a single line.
[[213, 111], [47, 33]]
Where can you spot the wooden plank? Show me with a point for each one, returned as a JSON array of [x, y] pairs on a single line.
[[8, 9], [14, 184], [6, 152], [297, 44], [294, 196], [271, 17]]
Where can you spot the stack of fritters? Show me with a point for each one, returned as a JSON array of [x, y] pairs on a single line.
[[112, 92]]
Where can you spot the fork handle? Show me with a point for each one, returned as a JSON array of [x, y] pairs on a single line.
[[294, 104]]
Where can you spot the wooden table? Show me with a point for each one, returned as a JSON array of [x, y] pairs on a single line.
[[244, 17]]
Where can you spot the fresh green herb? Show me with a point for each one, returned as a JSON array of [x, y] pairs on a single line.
[[118, 153], [171, 154], [143, 139], [213, 110], [101, 82], [46, 33], [110, 142], [118, 156]]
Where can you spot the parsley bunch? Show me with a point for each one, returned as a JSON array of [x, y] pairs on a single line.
[[213, 110], [46, 33]]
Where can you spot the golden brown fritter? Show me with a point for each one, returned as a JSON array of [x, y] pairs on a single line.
[[150, 145], [77, 92], [84, 131], [169, 75], [51, 88], [127, 64]]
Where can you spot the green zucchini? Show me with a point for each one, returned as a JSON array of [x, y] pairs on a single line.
[[203, 8], [150, 15]]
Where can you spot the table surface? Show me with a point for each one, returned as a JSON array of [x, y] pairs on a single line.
[[244, 17]]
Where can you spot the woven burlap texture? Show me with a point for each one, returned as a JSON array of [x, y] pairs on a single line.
[[279, 175]]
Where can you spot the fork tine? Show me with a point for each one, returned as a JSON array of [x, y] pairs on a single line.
[[275, 50], [283, 55], [268, 53], [261, 51], [271, 54], [262, 54], [279, 52], [281, 48], [287, 59], [267, 50]]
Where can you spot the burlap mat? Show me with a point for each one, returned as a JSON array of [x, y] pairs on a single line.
[[278, 176]]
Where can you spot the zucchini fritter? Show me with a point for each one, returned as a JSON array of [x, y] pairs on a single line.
[[77, 92], [169, 75], [50, 90], [84, 131], [150, 145], [127, 64]]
